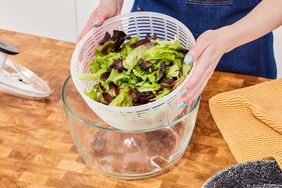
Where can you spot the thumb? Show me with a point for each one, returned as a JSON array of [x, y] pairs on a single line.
[[195, 52], [99, 17], [96, 19]]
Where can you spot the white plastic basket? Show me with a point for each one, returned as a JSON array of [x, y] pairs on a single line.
[[151, 115]]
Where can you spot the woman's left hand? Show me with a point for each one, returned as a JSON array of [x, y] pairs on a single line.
[[209, 49]]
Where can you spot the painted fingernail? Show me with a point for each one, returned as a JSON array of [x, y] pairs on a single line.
[[183, 91], [95, 22], [188, 59], [182, 105]]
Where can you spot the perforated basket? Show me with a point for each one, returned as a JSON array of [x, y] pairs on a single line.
[[153, 114]]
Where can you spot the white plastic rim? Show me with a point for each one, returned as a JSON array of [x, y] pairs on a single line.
[[137, 23]]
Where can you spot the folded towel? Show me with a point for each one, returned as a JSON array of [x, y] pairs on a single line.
[[250, 120]]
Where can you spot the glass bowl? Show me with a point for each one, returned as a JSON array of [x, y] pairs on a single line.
[[125, 154]]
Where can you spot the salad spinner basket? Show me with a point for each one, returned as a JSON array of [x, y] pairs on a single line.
[[147, 116]]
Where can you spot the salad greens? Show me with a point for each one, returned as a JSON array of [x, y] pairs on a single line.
[[130, 71]]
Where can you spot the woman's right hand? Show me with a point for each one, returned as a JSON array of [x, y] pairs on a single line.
[[105, 10]]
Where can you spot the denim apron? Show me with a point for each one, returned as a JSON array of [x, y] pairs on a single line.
[[255, 58]]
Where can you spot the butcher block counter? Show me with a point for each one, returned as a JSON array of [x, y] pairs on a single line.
[[36, 149]]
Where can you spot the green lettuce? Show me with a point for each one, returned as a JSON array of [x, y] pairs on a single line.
[[133, 57], [133, 71], [123, 99]]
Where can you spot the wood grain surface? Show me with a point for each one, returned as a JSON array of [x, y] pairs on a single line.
[[36, 150]]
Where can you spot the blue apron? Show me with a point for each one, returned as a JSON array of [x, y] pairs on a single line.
[[255, 58]]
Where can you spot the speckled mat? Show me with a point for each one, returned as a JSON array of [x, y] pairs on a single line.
[[250, 120]]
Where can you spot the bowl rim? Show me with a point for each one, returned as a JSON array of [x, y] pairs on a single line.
[[196, 105]]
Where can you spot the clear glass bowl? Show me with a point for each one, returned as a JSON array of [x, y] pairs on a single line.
[[125, 154]]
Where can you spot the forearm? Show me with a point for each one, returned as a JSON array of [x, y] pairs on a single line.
[[106, 3], [261, 20], [120, 4]]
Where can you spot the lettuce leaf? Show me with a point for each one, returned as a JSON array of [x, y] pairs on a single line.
[[115, 76], [163, 93], [149, 87], [133, 70], [93, 76], [133, 39], [165, 50], [133, 57], [173, 71], [123, 99], [186, 68]]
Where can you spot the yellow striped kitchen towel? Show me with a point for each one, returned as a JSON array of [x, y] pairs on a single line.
[[250, 120]]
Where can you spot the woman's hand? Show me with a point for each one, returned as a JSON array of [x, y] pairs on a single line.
[[209, 49], [212, 44], [105, 10]]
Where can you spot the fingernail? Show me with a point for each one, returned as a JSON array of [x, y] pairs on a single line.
[[182, 105], [188, 59], [95, 22], [184, 91]]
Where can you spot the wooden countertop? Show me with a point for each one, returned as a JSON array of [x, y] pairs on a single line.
[[36, 149]]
